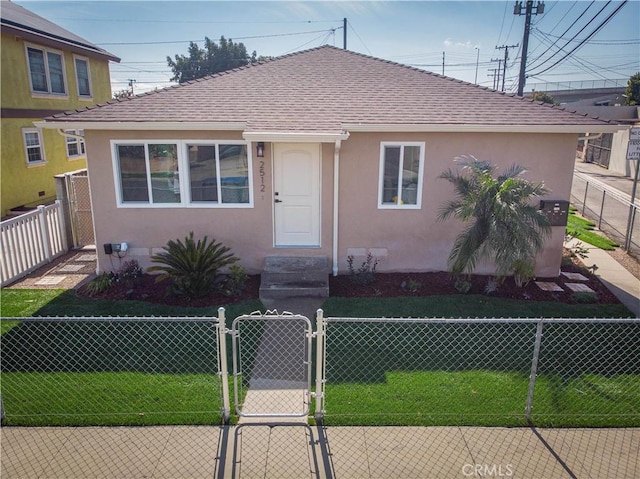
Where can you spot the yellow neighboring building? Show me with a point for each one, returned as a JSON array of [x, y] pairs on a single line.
[[45, 70]]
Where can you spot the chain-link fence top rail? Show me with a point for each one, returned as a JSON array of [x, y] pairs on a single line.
[[272, 353], [116, 371], [480, 371]]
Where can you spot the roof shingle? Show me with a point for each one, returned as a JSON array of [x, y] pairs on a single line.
[[322, 89]]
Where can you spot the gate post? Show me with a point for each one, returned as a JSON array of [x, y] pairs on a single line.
[[320, 366], [223, 369]]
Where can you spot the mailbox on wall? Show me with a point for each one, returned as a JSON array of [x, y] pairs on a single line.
[[556, 210]]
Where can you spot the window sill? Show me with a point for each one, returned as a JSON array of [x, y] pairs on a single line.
[[50, 96], [35, 164]]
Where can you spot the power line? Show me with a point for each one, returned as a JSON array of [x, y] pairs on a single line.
[[586, 39], [579, 32], [235, 38], [629, 41]]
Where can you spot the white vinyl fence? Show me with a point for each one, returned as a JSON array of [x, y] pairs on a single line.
[[31, 240]]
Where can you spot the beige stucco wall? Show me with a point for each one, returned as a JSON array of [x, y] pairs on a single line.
[[403, 240], [248, 231], [414, 240]]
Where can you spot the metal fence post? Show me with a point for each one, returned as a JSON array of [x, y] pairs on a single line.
[[222, 364], [584, 201], [534, 370], [320, 366], [604, 193]]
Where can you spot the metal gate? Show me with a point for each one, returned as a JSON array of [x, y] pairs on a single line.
[[599, 150], [80, 209], [272, 365]]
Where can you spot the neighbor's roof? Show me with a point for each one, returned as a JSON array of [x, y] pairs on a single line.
[[19, 20], [330, 91]]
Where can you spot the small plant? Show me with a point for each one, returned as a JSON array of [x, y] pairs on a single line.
[[129, 272], [100, 284], [462, 286], [491, 286], [193, 266], [366, 273], [522, 272], [414, 286], [236, 281], [585, 297], [578, 250]]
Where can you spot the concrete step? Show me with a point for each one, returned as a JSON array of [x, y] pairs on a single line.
[[295, 276]]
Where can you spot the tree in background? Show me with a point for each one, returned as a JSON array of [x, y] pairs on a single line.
[[503, 224], [542, 96], [213, 58], [633, 90]]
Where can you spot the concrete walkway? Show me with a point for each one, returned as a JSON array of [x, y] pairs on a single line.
[[299, 451]]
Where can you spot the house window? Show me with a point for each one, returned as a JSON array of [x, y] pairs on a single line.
[[75, 146], [182, 173], [149, 173], [33, 146], [82, 77], [46, 70], [218, 173], [401, 167]]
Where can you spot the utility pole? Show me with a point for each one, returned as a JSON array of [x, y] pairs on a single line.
[[477, 63], [498, 71], [442, 63], [529, 10], [506, 57], [131, 82], [493, 75], [344, 33]]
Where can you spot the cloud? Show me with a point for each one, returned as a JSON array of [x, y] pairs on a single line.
[[448, 42]]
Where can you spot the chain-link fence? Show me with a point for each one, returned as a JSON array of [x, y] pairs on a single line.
[[110, 371], [611, 212], [400, 397]]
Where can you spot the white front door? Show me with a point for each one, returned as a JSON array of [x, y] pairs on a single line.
[[297, 194]]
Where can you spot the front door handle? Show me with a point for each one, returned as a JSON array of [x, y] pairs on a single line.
[[277, 201]]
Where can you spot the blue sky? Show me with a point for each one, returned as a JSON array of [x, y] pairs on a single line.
[[417, 33]]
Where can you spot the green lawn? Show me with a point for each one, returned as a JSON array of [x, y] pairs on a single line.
[[582, 229], [466, 306], [485, 398], [60, 302], [164, 372]]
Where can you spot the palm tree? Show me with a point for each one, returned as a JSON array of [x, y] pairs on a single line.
[[503, 224]]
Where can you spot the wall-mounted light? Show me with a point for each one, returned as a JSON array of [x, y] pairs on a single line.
[[260, 149]]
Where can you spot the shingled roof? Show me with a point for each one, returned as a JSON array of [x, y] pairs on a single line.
[[22, 22], [327, 90]]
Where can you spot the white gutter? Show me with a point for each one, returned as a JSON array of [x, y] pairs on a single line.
[[590, 137], [139, 125], [472, 128], [294, 137], [336, 189], [66, 134]]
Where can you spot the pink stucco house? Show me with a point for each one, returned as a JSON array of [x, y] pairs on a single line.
[[324, 152]]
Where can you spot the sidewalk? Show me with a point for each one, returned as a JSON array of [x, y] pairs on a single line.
[[624, 184], [299, 451]]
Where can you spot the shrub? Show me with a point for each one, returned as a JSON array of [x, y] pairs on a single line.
[[462, 286], [100, 284], [366, 273], [129, 272], [236, 281], [193, 266], [491, 286], [522, 272]]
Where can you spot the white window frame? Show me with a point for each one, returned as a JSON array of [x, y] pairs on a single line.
[[75, 68], [40, 146], [183, 168], [399, 205], [69, 140], [49, 93]]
